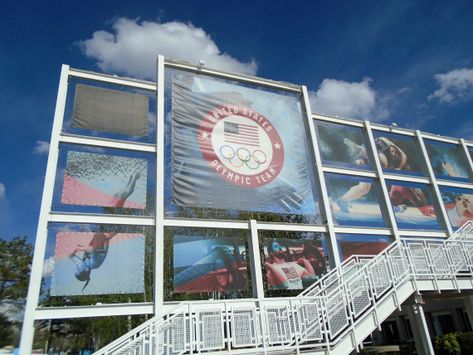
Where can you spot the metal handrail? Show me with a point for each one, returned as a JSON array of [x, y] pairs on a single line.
[[319, 317]]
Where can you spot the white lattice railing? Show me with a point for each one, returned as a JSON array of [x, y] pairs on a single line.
[[338, 311]]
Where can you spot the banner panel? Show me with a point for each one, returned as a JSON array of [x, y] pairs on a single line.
[[88, 263], [458, 204], [354, 201], [104, 180], [360, 244], [448, 161], [293, 263], [398, 153], [107, 110], [343, 146], [203, 264], [237, 147], [413, 205]]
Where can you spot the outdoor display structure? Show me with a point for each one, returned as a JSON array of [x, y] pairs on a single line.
[[210, 185]]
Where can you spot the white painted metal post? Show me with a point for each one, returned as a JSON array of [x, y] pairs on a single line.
[[468, 157], [159, 237], [382, 181], [257, 271], [325, 205], [27, 332], [420, 329], [433, 181]]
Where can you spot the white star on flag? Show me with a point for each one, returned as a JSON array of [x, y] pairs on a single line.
[[205, 135], [277, 146]]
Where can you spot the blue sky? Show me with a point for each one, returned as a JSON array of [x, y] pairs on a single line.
[[409, 62]]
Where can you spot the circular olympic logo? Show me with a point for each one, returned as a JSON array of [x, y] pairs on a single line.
[[241, 146]]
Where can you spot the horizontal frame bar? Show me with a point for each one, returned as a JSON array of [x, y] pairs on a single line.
[[240, 77], [57, 217], [107, 143], [336, 119], [344, 171], [199, 223], [368, 231], [112, 79], [99, 310]]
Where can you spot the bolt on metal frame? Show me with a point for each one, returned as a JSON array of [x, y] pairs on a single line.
[[32, 312]]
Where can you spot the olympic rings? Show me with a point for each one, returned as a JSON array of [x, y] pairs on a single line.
[[236, 166], [253, 167], [242, 156], [260, 157], [225, 149], [246, 158]]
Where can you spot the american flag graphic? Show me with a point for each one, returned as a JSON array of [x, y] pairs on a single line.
[[240, 133]]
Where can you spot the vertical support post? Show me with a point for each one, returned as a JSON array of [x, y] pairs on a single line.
[[159, 228], [256, 270], [382, 181], [433, 181], [468, 157], [27, 332], [468, 302], [320, 179], [420, 329]]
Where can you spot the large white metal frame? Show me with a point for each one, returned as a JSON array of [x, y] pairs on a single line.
[[34, 312]]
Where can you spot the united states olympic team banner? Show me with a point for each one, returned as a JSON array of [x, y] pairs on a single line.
[[238, 147], [87, 263]]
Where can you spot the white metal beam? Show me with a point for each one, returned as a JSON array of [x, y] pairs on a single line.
[[113, 79], [437, 194], [159, 230], [324, 206], [107, 143], [27, 332], [240, 77], [83, 218], [99, 310]]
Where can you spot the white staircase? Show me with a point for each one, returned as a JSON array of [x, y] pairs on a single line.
[[333, 316]]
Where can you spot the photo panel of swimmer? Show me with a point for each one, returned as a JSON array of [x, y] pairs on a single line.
[[104, 181], [292, 261], [354, 200], [413, 205], [342, 146], [458, 204], [95, 263], [448, 161], [399, 154]]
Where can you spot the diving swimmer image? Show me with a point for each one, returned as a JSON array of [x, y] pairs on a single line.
[[92, 256]]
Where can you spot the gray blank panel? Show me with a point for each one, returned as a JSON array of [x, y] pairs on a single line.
[[112, 111]]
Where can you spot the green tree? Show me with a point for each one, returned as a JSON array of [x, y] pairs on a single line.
[[15, 264]]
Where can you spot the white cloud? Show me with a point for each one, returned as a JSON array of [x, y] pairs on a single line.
[[456, 84], [2, 191], [354, 100], [133, 46], [41, 147]]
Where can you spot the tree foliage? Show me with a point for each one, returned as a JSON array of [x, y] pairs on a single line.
[[15, 263]]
